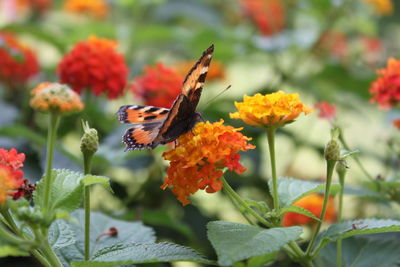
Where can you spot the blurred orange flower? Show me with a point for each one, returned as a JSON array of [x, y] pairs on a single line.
[[396, 123], [55, 97], [312, 203], [96, 8], [10, 172], [95, 65], [386, 89], [39, 6], [382, 7], [197, 162], [268, 15], [158, 86], [326, 110], [18, 63], [276, 109], [215, 72]]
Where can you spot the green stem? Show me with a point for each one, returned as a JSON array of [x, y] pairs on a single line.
[[342, 175], [12, 238], [329, 171], [87, 161], [46, 249], [228, 189], [271, 145], [51, 139]]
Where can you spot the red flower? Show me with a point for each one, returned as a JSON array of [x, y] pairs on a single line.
[[326, 110], [336, 43], [38, 6], [10, 173], [396, 123], [95, 65], [268, 15], [18, 63], [371, 49], [312, 203], [158, 86], [386, 89]]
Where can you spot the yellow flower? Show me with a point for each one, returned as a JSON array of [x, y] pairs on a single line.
[[382, 7], [96, 8], [276, 109], [55, 97]]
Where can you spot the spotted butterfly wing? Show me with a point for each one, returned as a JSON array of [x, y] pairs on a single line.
[[153, 125]]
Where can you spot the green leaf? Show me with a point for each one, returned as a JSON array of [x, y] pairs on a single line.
[[290, 190], [142, 253], [299, 210], [261, 260], [66, 191], [358, 227], [362, 251], [61, 235], [7, 249], [234, 241], [101, 180]]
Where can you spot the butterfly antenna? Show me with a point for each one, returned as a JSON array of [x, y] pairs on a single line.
[[215, 97]]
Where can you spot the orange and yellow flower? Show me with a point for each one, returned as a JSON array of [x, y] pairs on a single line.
[[11, 175], [95, 8], [268, 15], [382, 7], [18, 63], [386, 89], [276, 109], [95, 65], [312, 203], [55, 97], [158, 86], [197, 162], [215, 72]]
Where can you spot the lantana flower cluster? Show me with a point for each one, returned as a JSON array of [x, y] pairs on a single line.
[[95, 8], [11, 175], [198, 161]]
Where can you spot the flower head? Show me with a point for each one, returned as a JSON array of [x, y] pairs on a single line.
[[197, 162], [276, 109], [386, 89], [158, 86], [216, 70], [95, 8], [326, 110], [382, 7], [268, 15], [11, 175], [312, 203], [18, 63], [55, 97], [95, 65]]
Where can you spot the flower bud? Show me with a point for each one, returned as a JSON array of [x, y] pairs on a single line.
[[90, 140], [332, 150]]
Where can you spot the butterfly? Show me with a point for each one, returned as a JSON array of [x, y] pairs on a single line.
[[153, 126]]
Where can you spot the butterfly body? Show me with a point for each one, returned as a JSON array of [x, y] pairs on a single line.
[[153, 126]]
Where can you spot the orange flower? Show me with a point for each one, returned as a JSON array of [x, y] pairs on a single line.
[[382, 7], [158, 86], [312, 203], [268, 15], [276, 109], [18, 63], [197, 162], [386, 89], [215, 72], [95, 65], [55, 97], [96, 8], [10, 174], [326, 110], [396, 123]]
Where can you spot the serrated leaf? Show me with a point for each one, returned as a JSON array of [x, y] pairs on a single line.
[[290, 190], [358, 227], [142, 253], [128, 232], [299, 210], [234, 241], [60, 235], [66, 192], [94, 179]]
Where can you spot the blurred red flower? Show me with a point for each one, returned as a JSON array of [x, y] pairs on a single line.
[[312, 203], [10, 172], [396, 123], [268, 15], [95, 65], [38, 6], [18, 63], [158, 86], [386, 89], [336, 43], [326, 110]]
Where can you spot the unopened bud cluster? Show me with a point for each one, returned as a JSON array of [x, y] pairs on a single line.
[[90, 140]]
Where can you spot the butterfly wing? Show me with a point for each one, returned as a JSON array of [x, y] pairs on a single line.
[[141, 136], [141, 114]]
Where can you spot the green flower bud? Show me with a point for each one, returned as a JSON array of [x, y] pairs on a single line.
[[332, 149], [89, 141]]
